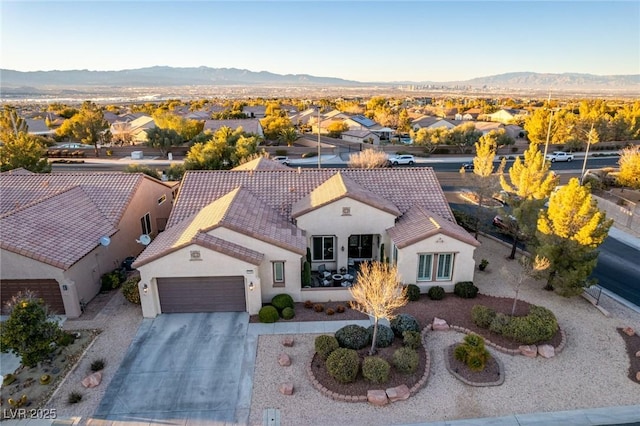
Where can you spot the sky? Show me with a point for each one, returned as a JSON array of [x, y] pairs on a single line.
[[369, 41]]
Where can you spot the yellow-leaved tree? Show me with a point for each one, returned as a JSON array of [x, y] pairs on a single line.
[[569, 233], [630, 167]]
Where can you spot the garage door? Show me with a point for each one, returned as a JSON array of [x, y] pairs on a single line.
[[202, 294], [45, 289]]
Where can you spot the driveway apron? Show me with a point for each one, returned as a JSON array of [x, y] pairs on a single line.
[[183, 369]]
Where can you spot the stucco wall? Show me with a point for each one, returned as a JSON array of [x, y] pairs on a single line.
[[463, 266], [329, 220]]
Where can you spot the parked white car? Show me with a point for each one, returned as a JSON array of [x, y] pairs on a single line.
[[559, 156], [284, 160], [402, 159]]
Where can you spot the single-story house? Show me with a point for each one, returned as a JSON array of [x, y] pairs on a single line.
[[361, 136], [236, 238], [470, 114], [61, 232], [506, 115], [39, 127], [433, 123], [249, 125]]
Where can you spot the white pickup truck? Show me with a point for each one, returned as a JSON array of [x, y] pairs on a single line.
[[559, 156]]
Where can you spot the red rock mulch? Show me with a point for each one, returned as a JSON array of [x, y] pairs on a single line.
[[633, 347]]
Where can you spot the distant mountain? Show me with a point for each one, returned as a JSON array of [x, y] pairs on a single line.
[[162, 76]]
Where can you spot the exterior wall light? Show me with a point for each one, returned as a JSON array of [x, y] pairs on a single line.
[[145, 289], [251, 286]]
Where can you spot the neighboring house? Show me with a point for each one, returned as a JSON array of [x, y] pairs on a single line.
[[39, 127], [487, 126], [236, 238], [255, 111], [360, 122], [130, 129], [433, 123], [506, 115], [304, 117], [470, 114], [251, 126], [361, 136], [52, 226]]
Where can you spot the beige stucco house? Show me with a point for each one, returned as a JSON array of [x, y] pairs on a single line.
[[236, 238], [61, 232]]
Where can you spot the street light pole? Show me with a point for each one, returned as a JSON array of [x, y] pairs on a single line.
[[319, 161], [586, 155]]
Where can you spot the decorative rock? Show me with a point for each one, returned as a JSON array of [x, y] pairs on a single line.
[[530, 351], [287, 341], [638, 376], [92, 380], [440, 324], [546, 351], [377, 397], [629, 331], [286, 388], [638, 354], [399, 393], [284, 360]]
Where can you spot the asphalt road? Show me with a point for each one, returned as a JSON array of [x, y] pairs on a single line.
[[618, 269]]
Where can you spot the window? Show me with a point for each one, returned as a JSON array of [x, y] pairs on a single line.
[[278, 274], [445, 261], [361, 246], [162, 199], [145, 222], [424, 267], [323, 248], [440, 263]]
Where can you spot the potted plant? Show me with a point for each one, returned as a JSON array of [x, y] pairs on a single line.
[[483, 264]]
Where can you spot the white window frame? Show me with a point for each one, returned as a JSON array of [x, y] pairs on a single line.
[[429, 269], [440, 262], [145, 223], [278, 281], [449, 265], [322, 258]]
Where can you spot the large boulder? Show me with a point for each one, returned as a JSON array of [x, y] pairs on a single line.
[[399, 393], [546, 351], [377, 397], [92, 380], [284, 360], [439, 324], [530, 351]]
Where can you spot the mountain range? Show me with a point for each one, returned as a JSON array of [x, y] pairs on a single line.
[[164, 76]]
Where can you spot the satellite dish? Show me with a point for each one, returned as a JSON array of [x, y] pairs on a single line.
[[105, 241], [144, 239]]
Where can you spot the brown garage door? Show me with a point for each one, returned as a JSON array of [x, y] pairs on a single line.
[[202, 294], [45, 289]]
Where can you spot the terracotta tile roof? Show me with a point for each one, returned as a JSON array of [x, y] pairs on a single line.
[[249, 125], [420, 223], [18, 171], [229, 248], [404, 187], [337, 187], [238, 210], [58, 229], [261, 163]]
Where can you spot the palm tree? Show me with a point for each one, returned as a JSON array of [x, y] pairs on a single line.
[[288, 135]]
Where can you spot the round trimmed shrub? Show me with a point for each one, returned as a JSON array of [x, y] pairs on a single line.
[[268, 314], [465, 289], [324, 345], [130, 290], [404, 322], [499, 322], [375, 369], [343, 365], [384, 338], [413, 292], [288, 313], [540, 325], [436, 293], [482, 316], [412, 339], [352, 337], [281, 301], [406, 360]]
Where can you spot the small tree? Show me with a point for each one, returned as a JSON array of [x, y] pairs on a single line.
[[29, 331], [530, 268], [368, 159], [630, 167], [378, 293]]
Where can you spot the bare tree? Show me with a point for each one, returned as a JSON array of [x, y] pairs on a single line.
[[530, 268], [378, 293], [368, 159]]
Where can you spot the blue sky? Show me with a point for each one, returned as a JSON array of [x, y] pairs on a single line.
[[357, 40]]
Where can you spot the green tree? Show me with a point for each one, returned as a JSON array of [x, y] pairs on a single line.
[[163, 139], [138, 168], [30, 331], [378, 293], [429, 138], [629, 163], [336, 128], [404, 122], [223, 149], [272, 125], [23, 150], [288, 135], [87, 125], [11, 124], [530, 183], [569, 233], [464, 136], [187, 129]]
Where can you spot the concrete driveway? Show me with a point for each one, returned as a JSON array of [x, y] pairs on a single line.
[[184, 369]]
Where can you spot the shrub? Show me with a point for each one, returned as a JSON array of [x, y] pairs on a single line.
[[74, 397], [375, 369], [406, 360], [404, 322], [308, 304], [268, 314], [465, 289], [282, 152], [482, 315], [66, 339], [340, 309], [330, 311], [45, 379], [413, 292], [499, 322], [412, 339], [306, 274], [436, 293], [130, 290], [109, 281], [472, 352], [8, 379], [384, 338], [540, 325], [325, 345], [352, 337], [98, 364], [288, 313], [343, 365], [318, 307], [281, 301]]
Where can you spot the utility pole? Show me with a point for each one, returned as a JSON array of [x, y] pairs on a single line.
[[319, 160]]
